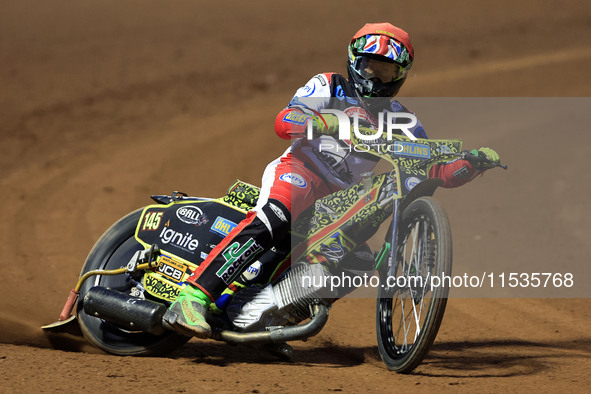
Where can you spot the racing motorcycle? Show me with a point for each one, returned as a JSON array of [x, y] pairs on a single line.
[[140, 264]]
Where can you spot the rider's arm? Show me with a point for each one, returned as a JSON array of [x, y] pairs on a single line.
[[454, 173], [292, 122], [305, 107], [458, 172]]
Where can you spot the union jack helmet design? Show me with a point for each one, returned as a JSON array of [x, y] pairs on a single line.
[[382, 46], [384, 43]]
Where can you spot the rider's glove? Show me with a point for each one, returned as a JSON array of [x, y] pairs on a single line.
[[486, 153]]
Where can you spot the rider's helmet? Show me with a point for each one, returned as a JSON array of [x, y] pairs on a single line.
[[380, 55]]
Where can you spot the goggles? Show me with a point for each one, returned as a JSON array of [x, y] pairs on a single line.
[[386, 72]]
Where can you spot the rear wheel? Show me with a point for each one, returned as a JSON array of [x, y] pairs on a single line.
[[409, 312], [112, 251]]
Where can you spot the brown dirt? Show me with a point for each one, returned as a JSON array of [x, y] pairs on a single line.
[[104, 103]]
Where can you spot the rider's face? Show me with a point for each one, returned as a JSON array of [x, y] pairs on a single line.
[[383, 71]]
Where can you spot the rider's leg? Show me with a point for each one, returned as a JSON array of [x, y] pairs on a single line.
[[224, 263], [266, 225]]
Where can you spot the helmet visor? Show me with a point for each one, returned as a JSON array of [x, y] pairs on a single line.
[[386, 72]]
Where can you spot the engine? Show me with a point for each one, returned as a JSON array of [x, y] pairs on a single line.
[[285, 302]]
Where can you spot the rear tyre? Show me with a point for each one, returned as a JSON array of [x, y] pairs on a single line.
[[409, 312], [112, 251]]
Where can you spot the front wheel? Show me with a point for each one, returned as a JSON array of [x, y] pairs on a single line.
[[409, 310], [112, 251]]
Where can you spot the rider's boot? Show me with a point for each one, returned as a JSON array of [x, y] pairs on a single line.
[[258, 232], [187, 314]]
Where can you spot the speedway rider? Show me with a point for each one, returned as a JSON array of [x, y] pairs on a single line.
[[380, 56]]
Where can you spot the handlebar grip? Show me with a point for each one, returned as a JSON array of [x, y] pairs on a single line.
[[474, 158], [481, 160]]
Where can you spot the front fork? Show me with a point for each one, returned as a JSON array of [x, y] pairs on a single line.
[[394, 239], [386, 251]]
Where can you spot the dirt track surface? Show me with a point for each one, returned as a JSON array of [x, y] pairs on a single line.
[[103, 103]]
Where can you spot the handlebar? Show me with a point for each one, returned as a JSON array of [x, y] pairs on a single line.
[[465, 155]]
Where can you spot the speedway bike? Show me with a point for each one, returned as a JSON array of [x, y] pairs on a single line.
[[140, 264]]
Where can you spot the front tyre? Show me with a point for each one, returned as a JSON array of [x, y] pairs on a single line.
[[409, 312], [114, 250]]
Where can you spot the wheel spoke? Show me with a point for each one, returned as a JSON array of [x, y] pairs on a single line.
[[414, 233]]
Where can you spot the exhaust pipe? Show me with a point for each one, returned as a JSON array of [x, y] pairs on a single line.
[[318, 319], [129, 312], [137, 314]]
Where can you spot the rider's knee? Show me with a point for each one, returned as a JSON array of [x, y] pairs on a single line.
[[276, 217]]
